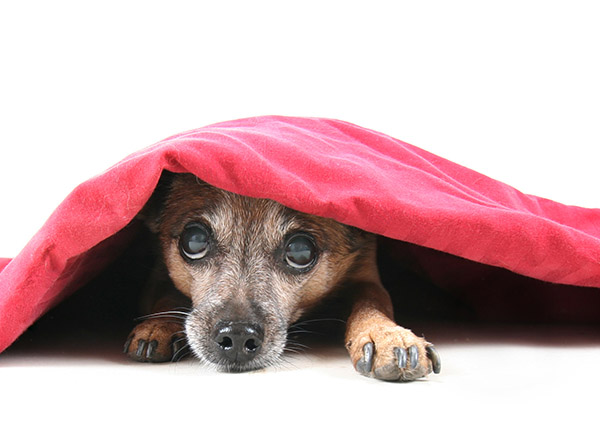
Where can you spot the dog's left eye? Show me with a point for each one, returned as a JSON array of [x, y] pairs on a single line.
[[194, 241], [300, 252]]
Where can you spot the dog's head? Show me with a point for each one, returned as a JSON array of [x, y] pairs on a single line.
[[250, 266]]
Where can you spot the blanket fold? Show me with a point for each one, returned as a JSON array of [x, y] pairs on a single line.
[[321, 166]]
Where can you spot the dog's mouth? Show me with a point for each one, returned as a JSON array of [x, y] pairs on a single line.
[[236, 346]]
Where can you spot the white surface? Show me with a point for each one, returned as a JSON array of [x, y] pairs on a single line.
[[509, 89], [494, 380]]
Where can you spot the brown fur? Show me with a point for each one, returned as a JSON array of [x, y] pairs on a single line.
[[244, 280]]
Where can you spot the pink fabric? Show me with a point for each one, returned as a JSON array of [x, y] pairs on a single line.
[[325, 167]]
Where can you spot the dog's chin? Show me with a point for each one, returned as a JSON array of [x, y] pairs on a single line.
[[268, 356], [229, 367]]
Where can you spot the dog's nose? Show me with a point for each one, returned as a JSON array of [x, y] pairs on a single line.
[[238, 342]]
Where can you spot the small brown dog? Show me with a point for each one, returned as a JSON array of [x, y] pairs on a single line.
[[251, 268]]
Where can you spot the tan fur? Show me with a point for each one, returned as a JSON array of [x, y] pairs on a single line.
[[244, 278]]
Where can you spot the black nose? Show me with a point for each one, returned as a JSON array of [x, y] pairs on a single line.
[[238, 342]]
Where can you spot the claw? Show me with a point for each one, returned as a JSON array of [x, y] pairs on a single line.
[[413, 354], [140, 349], [434, 356], [127, 344], [401, 356], [151, 348], [177, 344], [365, 364]]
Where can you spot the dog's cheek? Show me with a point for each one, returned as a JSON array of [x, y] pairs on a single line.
[[178, 270], [296, 315], [193, 325], [198, 327], [275, 340], [318, 285], [192, 280]]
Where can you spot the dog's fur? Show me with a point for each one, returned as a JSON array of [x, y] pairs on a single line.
[[242, 289]]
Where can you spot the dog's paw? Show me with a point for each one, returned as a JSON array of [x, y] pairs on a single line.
[[393, 353], [155, 340]]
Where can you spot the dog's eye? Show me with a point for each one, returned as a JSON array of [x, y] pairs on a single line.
[[194, 241], [300, 252]]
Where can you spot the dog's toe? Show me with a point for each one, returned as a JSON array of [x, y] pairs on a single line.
[[404, 366]]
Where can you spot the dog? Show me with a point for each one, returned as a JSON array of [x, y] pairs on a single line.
[[237, 272]]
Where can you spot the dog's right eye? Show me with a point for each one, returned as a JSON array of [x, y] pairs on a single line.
[[193, 242]]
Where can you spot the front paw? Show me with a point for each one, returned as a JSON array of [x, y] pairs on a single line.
[[155, 340], [393, 353]]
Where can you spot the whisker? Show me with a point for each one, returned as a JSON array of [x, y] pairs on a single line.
[[168, 313], [332, 319], [180, 357], [183, 313], [181, 352], [301, 327], [173, 314], [182, 308], [296, 344], [293, 330], [185, 350], [180, 339], [175, 311], [283, 362], [160, 316]]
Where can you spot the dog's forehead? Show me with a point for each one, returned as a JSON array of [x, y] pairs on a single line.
[[232, 213], [191, 199]]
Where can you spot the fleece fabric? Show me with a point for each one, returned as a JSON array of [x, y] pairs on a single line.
[[321, 166]]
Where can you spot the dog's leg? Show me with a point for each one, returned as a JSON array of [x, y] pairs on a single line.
[[160, 337], [379, 347]]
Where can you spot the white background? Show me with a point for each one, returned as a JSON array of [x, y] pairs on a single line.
[[508, 88]]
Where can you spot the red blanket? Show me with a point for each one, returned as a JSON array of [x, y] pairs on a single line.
[[325, 167]]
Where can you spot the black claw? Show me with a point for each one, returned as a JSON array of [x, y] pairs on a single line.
[[434, 356], [140, 349], [401, 356], [365, 364], [151, 348], [413, 353], [127, 343], [177, 343]]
